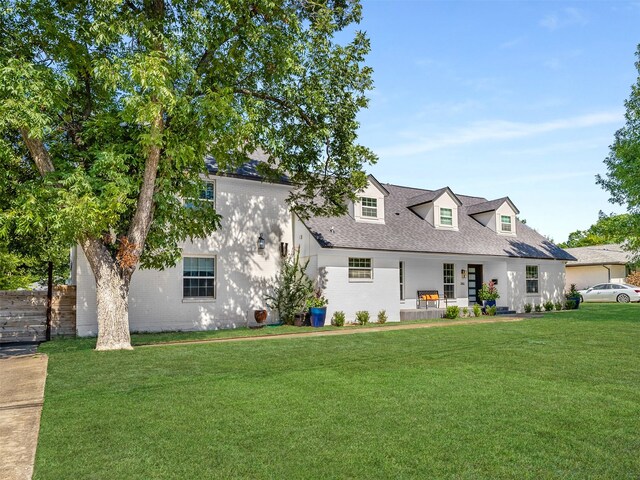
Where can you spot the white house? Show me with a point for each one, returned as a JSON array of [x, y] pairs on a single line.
[[393, 242]]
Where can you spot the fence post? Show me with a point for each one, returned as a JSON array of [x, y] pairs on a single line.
[[49, 298]]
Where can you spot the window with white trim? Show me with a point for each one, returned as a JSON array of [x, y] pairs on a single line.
[[401, 271], [505, 223], [446, 217], [369, 207], [360, 269], [198, 277], [207, 194], [448, 280], [532, 278]]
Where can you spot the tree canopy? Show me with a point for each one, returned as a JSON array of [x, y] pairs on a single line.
[[608, 229], [109, 107], [622, 180]]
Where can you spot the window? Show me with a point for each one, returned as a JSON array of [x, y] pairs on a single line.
[[446, 216], [532, 278], [505, 223], [448, 279], [401, 270], [207, 194], [369, 207], [360, 269], [198, 277]]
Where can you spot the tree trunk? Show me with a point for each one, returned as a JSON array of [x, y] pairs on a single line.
[[112, 295]]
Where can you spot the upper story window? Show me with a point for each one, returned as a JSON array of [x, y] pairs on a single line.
[[207, 194], [446, 216], [505, 223], [369, 207]]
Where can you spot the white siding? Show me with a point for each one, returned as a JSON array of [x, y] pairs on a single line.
[[505, 209], [588, 276], [242, 273]]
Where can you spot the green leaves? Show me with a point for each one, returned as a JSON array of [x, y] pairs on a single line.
[[90, 80]]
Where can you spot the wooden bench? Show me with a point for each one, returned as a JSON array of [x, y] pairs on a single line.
[[429, 297]]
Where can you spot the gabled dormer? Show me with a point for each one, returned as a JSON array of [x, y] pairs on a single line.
[[369, 208], [439, 208], [498, 215]]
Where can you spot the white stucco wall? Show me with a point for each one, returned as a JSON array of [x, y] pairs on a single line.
[[242, 273], [551, 281], [590, 275]]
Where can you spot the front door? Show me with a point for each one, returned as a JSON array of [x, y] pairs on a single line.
[[474, 282]]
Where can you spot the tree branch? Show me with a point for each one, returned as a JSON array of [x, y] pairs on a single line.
[[38, 152], [280, 101]]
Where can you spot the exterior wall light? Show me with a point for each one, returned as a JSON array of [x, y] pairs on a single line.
[[261, 243], [463, 273], [284, 249]]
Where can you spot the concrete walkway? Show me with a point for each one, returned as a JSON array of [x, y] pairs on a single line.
[[349, 330], [22, 379]]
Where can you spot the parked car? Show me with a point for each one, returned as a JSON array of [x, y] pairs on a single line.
[[611, 292]]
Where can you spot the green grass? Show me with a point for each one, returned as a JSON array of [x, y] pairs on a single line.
[[138, 339], [556, 397]]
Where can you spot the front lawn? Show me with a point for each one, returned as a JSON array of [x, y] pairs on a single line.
[[557, 397]]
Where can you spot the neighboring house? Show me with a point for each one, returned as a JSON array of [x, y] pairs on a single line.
[[393, 242], [597, 264]]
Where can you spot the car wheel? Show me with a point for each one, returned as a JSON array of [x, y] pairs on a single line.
[[623, 298]]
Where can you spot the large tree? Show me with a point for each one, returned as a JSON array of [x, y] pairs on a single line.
[[608, 229], [622, 180], [109, 107]]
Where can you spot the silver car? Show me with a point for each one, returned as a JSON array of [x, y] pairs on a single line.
[[611, 292]]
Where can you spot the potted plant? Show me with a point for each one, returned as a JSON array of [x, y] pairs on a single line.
[[488, 294], [573, 297], [318, 309]]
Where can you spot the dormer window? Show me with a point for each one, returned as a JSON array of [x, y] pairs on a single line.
[[369, 207], [505, 223], [446, 217]]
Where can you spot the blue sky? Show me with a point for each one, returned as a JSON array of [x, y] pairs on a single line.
[[501, 98]]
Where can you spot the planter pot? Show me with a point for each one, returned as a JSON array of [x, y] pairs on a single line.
[[302, 320], [489, 303], [576, 302], [260, 315], [318, 316]]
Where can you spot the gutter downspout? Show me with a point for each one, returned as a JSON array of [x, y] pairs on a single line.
[[608, 273]]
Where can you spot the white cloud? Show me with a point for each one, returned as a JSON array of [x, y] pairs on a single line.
[[566, 18], [496, 130]]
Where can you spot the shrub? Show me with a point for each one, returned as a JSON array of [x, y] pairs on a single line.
[[538, 308], [477, 311], [558, 305], [291, 290], [633, 279], [570, 304], [362, 317], [338, 318], [548, 306], [527, 308], [382, 316], [488, 291], [452, 312], [465, 312], [492, 310]]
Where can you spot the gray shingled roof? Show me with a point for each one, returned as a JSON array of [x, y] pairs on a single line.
[[425, 197], [405, 231], [612, 254], [489, 206], [248, 170]]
